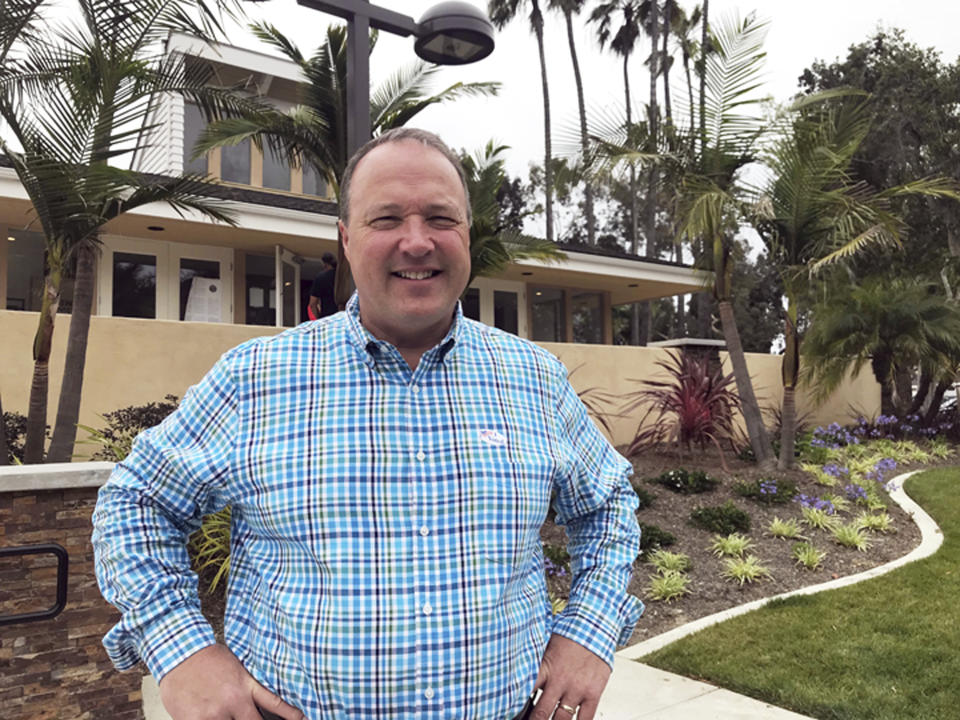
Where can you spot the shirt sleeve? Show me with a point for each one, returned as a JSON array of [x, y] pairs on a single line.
[[597, 505], [145, 513]]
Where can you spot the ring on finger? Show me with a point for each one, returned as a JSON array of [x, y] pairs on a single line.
[[567, 708]]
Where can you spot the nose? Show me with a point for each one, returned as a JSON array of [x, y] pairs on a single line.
[[417, 240]]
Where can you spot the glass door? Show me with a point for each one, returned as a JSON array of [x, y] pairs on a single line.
[[202, 286], [288, 287]]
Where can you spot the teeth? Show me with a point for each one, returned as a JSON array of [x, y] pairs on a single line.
[[415, 275]]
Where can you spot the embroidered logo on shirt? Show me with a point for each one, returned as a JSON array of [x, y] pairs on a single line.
[[492, 437]]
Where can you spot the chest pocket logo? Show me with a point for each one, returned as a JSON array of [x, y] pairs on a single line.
[[493, 438]]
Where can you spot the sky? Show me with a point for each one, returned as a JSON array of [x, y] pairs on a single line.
[[799, 33]]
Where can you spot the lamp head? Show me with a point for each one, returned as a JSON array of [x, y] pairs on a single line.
[[454, 33]]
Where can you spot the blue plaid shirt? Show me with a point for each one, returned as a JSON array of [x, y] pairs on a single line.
[[386, 560]]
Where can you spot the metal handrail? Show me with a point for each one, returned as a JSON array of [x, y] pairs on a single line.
[[63, 564]]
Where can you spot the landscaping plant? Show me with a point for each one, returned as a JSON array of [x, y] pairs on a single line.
[[745, 570], [732, 545], [695, 406], [668, 585], [722, 519], [808, 556], [686, 482], [665, 561]]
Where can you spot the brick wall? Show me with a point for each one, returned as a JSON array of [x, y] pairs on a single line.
[[57, 669]]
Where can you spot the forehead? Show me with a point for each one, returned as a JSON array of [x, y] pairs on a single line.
[[399, 171]]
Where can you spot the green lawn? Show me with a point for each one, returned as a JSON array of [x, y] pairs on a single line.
[[884, 649]]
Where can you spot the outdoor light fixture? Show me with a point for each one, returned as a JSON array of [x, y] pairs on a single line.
[[454, 33], [155, 228]]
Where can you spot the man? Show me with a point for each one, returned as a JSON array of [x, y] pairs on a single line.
[[322, 302], [389, 471]]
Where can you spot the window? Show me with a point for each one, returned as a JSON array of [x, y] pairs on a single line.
[[505, 310], [276, 171], [134, 285], [587, 311], [471, 304], [549, 322], [235, 163], [193, 124], [26, 270], [313, 182]]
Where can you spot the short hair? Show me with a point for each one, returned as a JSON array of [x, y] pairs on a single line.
[[400, 134], [329, 259]]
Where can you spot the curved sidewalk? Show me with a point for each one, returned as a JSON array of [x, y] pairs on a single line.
[[640, 692]]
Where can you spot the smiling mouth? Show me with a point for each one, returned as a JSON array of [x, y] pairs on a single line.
[[416, 274]]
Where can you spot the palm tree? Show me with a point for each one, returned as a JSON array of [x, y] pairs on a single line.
[[315, 132], [493, 246], [76, 99], [651, 21], [713, 197], [501, 12], [623, 42], [812, 213], [886, 322], [569, 8]]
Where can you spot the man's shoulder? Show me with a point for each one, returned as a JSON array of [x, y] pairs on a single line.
[[305, 337], [485, 339]]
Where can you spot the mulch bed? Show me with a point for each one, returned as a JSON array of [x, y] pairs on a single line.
[[710, 592]]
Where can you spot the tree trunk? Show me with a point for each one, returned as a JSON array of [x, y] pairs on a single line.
[[934, 409], [584, 138], [3, 438], [903, 389], [547, 144], [667, 105], [634, 212], [748, 399], [693, 109], [646, 315], [790, 371], [923, 391], [68, 408], [704, 39], [39, 384]]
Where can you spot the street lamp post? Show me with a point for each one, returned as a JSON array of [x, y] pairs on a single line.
[[450, 33]]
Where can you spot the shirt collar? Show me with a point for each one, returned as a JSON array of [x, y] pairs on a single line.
[[373, 350]]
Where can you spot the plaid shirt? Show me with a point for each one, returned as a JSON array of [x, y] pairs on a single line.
[[386, 559]]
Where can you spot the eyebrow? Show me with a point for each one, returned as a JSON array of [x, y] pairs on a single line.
[[430, 209]]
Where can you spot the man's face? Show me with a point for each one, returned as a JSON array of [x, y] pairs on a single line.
[[407, 241]]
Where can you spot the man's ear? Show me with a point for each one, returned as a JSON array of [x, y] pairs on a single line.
[[343, 236]]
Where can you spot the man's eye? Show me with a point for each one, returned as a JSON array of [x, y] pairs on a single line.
[[443, 221], [385, 221]]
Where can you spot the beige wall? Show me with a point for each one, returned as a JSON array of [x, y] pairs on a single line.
[[133, 362]]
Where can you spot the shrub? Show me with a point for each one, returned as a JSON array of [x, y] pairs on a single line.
[[767, 490], [556, 560], [786, 529], [15, 428], [877, 523], [695, 406], [686, 482], [722, 519], [645, 497], [210, 549], [668, 586], [817, 518], [851, 535], [653, 538], [125, 424]]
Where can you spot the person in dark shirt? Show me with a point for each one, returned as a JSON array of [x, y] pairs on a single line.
[[322, 302]]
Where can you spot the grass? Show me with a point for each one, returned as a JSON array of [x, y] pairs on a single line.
[[884, 649]]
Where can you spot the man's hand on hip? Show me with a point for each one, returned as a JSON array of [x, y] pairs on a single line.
[[213, 685], [571, 677]]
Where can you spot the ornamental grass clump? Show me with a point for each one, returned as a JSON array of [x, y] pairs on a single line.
[[696, 405], [665, 561], [733, 545], [817, 518], [877, 523], [784, 529], [668, 586], [807, 555], [744, 570], [851, 535]]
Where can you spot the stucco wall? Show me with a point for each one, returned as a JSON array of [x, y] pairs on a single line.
[[132, 362]]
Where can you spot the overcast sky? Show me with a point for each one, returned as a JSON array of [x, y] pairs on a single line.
[[799, 32]]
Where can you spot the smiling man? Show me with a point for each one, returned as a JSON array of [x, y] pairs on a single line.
[[389, 469]]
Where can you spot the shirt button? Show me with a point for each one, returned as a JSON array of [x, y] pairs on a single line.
[[427, 609], [414, 389], [424, 531], [421, 455], [428, 693]]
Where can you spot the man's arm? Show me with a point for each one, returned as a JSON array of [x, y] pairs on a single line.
[[155, 498], [597, 506], [314, 305]]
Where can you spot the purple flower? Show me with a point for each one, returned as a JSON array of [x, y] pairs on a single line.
[[768, 487], [855, 492]]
